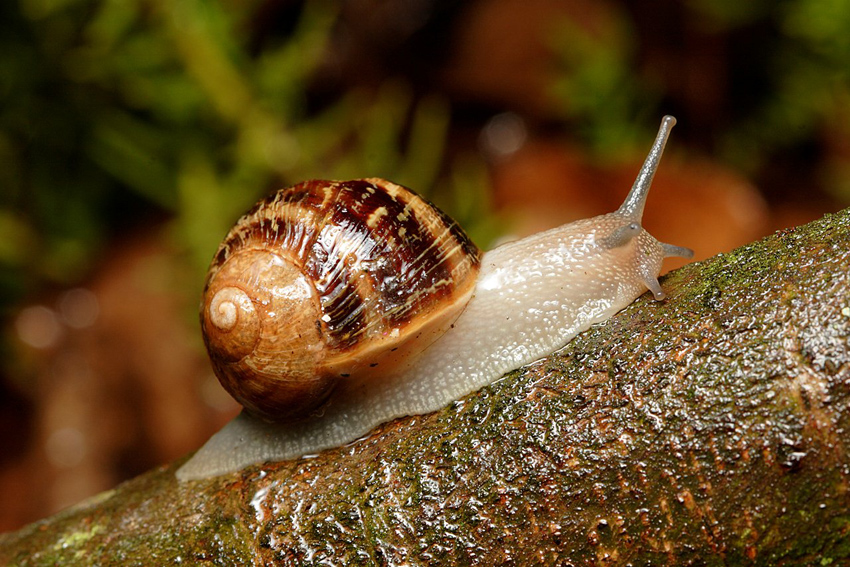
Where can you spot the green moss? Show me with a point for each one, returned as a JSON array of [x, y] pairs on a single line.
[[74, 543]]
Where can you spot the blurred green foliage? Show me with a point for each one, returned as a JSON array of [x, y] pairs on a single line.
[[808, 77], [113, 112], [780, 69], [613, 109]]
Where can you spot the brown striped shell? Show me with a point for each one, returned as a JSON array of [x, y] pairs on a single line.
[[330, 280]]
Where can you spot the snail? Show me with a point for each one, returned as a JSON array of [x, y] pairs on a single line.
[[332, 307]]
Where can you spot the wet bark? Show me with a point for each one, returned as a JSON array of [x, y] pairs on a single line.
[[708, 429]]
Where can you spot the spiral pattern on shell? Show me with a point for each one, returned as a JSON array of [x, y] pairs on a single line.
[[330, 280]]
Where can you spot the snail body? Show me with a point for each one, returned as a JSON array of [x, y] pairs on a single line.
[[459, 320]]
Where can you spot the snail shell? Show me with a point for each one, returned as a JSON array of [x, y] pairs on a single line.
[[528, 298], [329, 281]]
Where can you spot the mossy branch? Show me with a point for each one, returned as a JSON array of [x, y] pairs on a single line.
[[710, 428]]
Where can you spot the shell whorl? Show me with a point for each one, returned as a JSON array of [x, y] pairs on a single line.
[[231, 311], [373, 273]]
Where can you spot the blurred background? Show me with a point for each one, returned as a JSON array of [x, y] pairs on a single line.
[[134, 132]]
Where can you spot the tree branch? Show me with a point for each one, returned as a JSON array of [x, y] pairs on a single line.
[[710, 428]]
